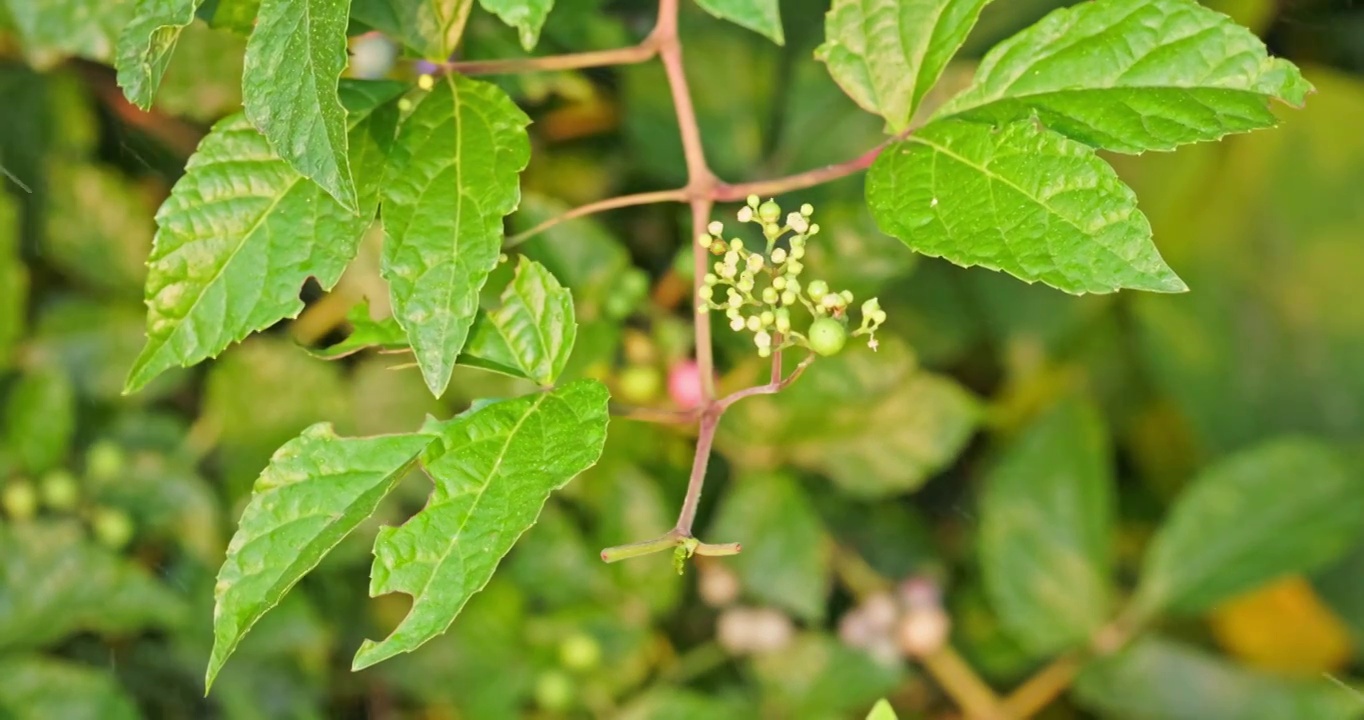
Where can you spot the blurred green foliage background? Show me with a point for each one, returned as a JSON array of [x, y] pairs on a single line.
[[870, 471]]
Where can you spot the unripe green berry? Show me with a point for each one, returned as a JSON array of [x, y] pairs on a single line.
[[580, 652], [817, 289], [827, 336], [60, 490], [769, 211], [554, 691], [104, 461], [20, 500], [112, 527], [639, 383]]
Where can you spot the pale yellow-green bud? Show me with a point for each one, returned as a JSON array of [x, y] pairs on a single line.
[[715, 227], [754, 323]]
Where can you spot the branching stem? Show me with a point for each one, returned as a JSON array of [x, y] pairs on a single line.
[[632, 55]]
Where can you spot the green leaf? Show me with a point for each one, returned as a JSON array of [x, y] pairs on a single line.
[[1286, 506], [432, 28], [146, 45], [1158, 679], [365, 333], [1132, 75], [452, 177], [236, 16], [1019, 199], [527, 16], [787, 554], [52, 30], [316, 491], [242, 231], [532, 333], [882, 711], [204, 79], [1046, 520], [293, 65], [760, 16], [494, 468], [42, 688], [887, 54], [13, 281], [56, 583], [40, 420]]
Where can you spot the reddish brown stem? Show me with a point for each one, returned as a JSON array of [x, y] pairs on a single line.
[[573, 61], [710, 420], [647, 198]]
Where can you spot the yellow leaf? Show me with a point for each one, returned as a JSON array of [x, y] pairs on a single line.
[[1283, 627]]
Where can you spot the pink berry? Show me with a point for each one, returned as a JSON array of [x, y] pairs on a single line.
[[684, 384]]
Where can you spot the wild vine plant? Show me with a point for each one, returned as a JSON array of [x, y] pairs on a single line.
[[1006, 175]]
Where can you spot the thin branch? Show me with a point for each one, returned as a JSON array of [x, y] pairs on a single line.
[[632, 55], [705, 357], [963, 685], [768, 389], [726, 192], [704, 440], [656, 415], [1043, 687], [646, 198]]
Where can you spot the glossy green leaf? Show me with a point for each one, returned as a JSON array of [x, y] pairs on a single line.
[[887, 54], [532, 332], [242, 231], [146, 45], [1020, 199], [56, 582], [1132, 75], [1158, 679], [39, 420], [1286, 506], [42, 688], [432, 28], [1046, 530], [527, 16], [13, 281], [52, 30], [787, 554], [494, 468], [452, 177], [293, 65], [316, 491], [760, 16], [365, 333]]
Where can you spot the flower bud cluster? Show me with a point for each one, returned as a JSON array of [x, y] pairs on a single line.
[[757, 289]]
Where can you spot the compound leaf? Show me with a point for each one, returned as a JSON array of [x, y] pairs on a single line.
[[887, 54], [1045, 531], [242, 231], [527, 16], [290, 78], [145, 46], [493, 468], [1133, 75], [1020, 199], [316, 490], [1282, 507], [453, 176], [532, 333], [760, 16]]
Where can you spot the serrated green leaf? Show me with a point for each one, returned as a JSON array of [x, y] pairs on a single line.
[[42, 688], [887, 54], [242, 231], [787, 554], [453, 176], [365, 332], [1282, 507], [56, 582], [1046, 516], [432, 28], [531, 333], [493, 469], [39, 420], [52, 30], [146, 45], [290, 77], [1158, 679], [527, 16], [317, 489], [760, 16], [13, 281], [1020, 199], [1132, 75]]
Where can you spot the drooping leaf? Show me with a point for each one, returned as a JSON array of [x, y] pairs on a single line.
[[242, 231], [787, 554], [56, 582], [146, 45], [39, 420], [290, 77], [40, 688], [1282, 507], [1046, 520], [527, 16], [1132, 75], [52, 30], [316, 491], [453, 175], [494, 468], [1158, 679], [532, 333], [1019, 199], [760, 16], [887, 54], [432, 28]]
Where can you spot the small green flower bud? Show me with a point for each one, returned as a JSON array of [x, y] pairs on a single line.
[[764, 352], [783, 322], [807, 209], [737, 244], [735, 301], [728, 271], [797, 222], [754, 323], [779, 256], [755, 262], [798, 252], [705, 292], [771, 230], [794, 268], [752, 201], [746, 282], [831, 301], [702, 308], [732, 313], [847, 297], [769, 211], [771, 295], [788, 298], [710, 279], [814, 229], [779, 282], [870, 307], [767, 318], [878, 317], [736, 324], [817, 290], [731, 258], [797, 242], [715, 227], [745, 214], [762, 339]]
